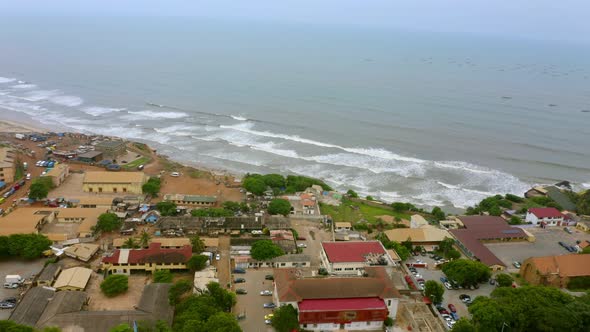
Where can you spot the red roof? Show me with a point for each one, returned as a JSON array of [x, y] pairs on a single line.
[[363, 303], [154, 254], [547, 212], [355, 251]]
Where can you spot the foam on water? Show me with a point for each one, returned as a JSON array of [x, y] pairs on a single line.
[[239, 118], [7, 79], [70, 101], [147, 114], [24, 86], [98, 111], [39, 95]]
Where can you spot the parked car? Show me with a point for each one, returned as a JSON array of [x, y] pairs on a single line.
[[516, 264], [562, 244], [448, 286], [241, 291], [444, 311], [450, 324], [270, 305], [301, 245], [452, 307], [239, 281], [454, 316], [10, 299], [443, 279], [492, 281], [217, 257], [267, 321], [239, 271], [269, 316], [568, 230], [175, 174], [446, 317], [266, 293], [269, 277], [7, 305], [464, 297]]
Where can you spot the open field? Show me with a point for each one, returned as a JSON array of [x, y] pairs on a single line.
[[355, 211]]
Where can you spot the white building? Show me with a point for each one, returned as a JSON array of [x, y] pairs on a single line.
[[544, 217], [351, 257]]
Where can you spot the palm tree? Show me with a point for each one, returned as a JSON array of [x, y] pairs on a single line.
[[144, 239], [130, 243]]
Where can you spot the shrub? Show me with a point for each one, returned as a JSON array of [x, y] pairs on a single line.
[[114, 284], [163, 276], [197, 263]]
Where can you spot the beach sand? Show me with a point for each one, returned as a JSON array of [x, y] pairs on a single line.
[[12, 122]]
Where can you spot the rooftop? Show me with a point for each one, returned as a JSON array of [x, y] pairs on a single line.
[[547, 212], [353, 251], [90, 154], [6, 159], [423, 234], [574, 265], [114, 177], [82, 251], [57, 170], [343, 225], [23, 220], [154, 254], [74, 277]]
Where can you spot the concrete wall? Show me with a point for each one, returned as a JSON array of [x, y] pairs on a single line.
[[132, 188]]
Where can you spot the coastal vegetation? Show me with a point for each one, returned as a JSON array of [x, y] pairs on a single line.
[[494, 205], [28, 246], [354, 211], [152, 186], [258, 184], [139, 161]]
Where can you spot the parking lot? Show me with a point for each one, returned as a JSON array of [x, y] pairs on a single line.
[[546, 244], [251, 304], [23, 268]]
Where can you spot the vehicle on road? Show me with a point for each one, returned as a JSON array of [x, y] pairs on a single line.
[[266, 293], [464, 297], [269, 277], [175, 174], [239, 281], [492, 282], [452, 307], [516, 264], [10, 299], [568, 230], [217, 257], [241, 291], [239, 271], [270, 305], [454, 316], [7, 305], [267, 321]]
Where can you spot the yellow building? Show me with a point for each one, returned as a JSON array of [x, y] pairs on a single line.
[[6, 165], [74, 279], [114, 182], [25, 221]]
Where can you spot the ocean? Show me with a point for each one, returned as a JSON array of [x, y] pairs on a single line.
[[429, 118]]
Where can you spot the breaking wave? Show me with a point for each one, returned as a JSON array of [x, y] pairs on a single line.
[[7, 79], [159, 115], [70, 101]]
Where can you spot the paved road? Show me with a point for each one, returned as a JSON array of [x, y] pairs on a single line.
[[252, 303], [22, 268]]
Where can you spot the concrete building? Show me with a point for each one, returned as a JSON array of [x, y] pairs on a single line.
[[90, 157], [124, 261], [114, 182], [191, 200], [351, 258], [48, 275], [544, 216], [72, 279], [329, 304], [165, 242], [7, 166], [486, 229], [427, 236], [284, 261], [555, 271], [342, 226], [58, 174], [82, 251], [92, 202], [26, 220], [112, 149]]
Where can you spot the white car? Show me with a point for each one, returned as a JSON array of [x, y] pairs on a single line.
[[302, 245], [175, 174], [266, 293], [217, 257], [448, 285]]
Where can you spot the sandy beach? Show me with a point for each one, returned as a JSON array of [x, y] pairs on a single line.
[[11, 122]]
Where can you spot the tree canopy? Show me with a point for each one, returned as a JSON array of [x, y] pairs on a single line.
[[198, 244], [401, 250], [38, 191], [197, 263], [279, 206], [434, 291], [438, 213], [122, 328], [178, 289], [152, 186], [257, 184], [504, 280], [285, 319], [166, 208], [265, 249], [583, 205], [466, 272], [463, 325], [108, 222], [114, 285], [352, 194], [163, 276], [26, 246]]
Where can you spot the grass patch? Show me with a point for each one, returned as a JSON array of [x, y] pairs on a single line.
[[197, 174], [141, 147], [19, 171], [137, 162], [355, 211]]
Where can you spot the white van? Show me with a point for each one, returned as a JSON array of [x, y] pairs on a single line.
[[28, 176]]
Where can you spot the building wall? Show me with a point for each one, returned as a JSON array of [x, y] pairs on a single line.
[[70, 288], [350, 320], [148, 267], [189, 203], [549, 221], [7, 174], [61, 177], [133, 188], [583, 227]]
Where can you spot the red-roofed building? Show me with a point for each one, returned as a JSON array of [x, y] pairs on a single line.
[[547, 216], [123, 261], [352, 257], [359, 303]]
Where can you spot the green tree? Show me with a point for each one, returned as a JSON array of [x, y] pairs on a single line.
[[279, 206], [446, 245], [583, 204], [466, 272], [38, 191], [26, 246], [453, 254], [408, 244], [265, 249], [463, 325], [232, 206], [504, 280], [163, 276], [586, 250], [197, 263], [122, 328], [438, 213], [274, 181], [223, 298], [151, 187], [144, 238], [108, 222], [198, 244], [130, 243], [352, 194], [370, 198], [514, 220], [222, 322], [178, 289], [114, 284], [166, 208], [254, 185], [10, 326], [434, 290], [514, 198], [285, 319]]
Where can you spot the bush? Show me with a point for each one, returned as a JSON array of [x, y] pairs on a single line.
[[514, 220], [163, 276], [370, 198], [579, 283], [265, 249], [438, 213], [254, 185], [178, 289], [504, 280], [279, 206], [514, 198], [114, 284], [352, 194]]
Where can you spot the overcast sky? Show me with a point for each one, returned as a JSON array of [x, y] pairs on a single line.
[[538, 19]]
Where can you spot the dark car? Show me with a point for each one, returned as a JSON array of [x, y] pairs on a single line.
[[454, 315], [241, 291], [562, 244], [269, 277], [464, 297], [452, 307], [492, 281], [10, 299], [443, 279], [239, 280], [270, 305], [239, 271]]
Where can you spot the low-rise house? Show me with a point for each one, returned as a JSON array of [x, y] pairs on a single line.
[[151, 216], [114, 182], [427, 236], [353, 257], [123, 261], [342, 226], [72, 279], [328, 304], [191, 200], [82, 251], [7, 166], [26, 220], [58, 174], [535, 191], [203, 278], [277, 222], [48, 275], [555, 271], [92, 202], [211, 243], [284, 261], [179, 225], [90, 157], [544, 216]]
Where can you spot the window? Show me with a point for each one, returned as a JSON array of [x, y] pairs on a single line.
[[388, 302], [338, 269], [114, 190], [124, 189], [99, 189], [283, 264], [90, 189], [349, 269]]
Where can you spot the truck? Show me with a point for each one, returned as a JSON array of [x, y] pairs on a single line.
[[13, 281], [20, 136]]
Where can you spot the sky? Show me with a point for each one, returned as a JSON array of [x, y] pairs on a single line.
[[565, 20]]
